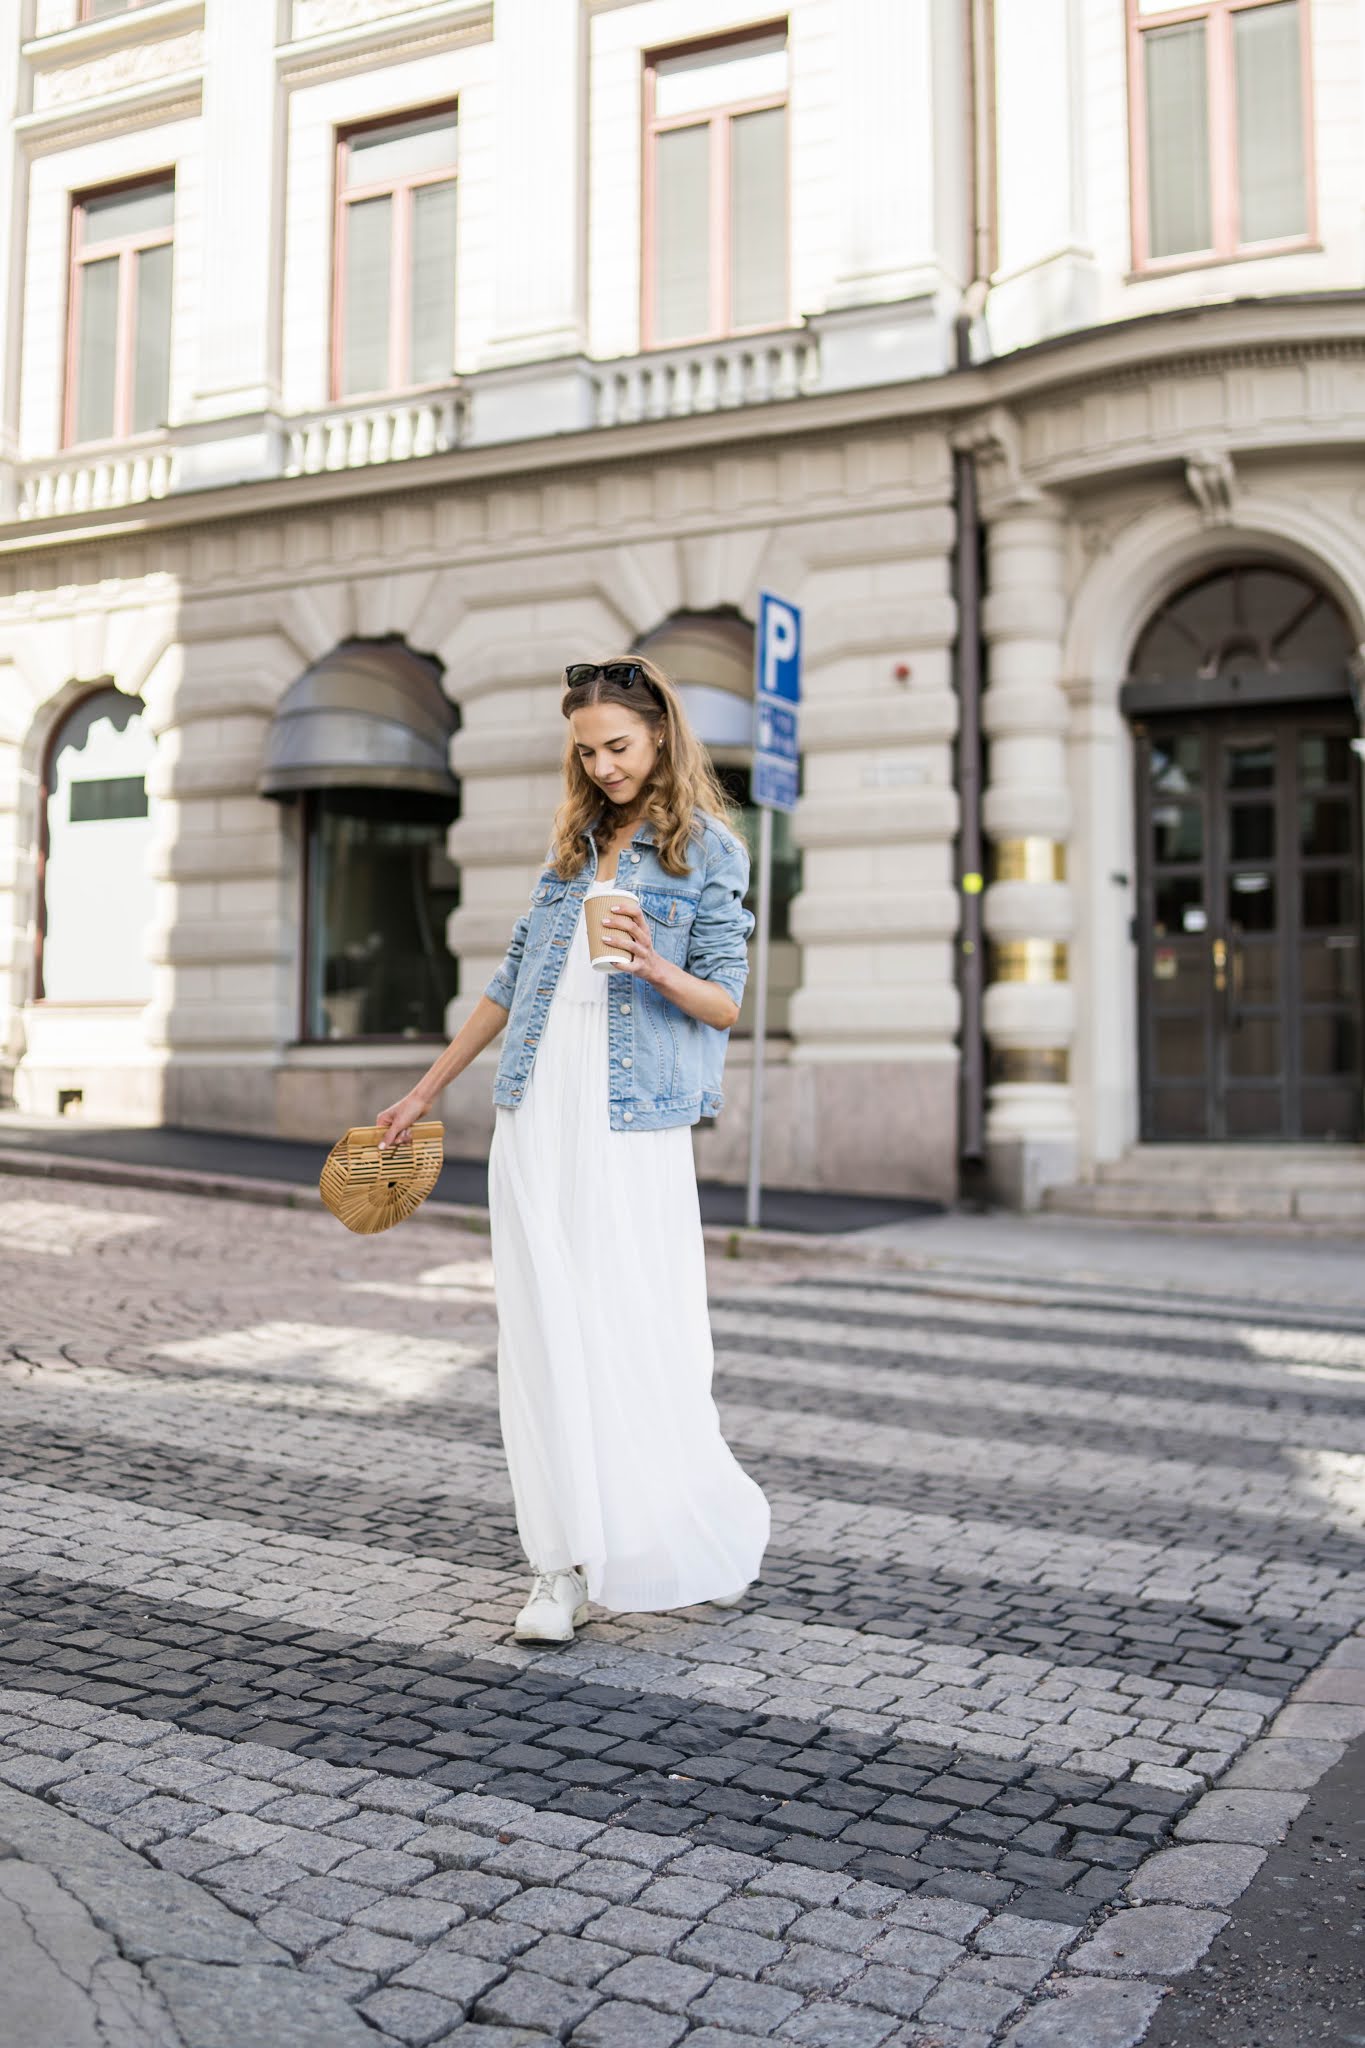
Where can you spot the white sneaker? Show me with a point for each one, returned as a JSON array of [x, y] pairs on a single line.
[[556, 1606]]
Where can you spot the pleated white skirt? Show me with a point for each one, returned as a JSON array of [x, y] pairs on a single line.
[[613, 1442]]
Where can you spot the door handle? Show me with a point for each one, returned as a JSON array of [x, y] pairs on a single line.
[[1220, 966]]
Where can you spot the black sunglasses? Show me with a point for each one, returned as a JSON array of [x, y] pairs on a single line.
[[626, 674]]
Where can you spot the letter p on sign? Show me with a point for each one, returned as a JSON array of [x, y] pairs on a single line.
[[780, 649]]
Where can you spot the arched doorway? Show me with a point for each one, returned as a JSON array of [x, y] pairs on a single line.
[[1249, 862], [95, 890]]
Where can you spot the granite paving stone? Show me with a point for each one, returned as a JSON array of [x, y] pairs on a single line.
[[1014, 1695]]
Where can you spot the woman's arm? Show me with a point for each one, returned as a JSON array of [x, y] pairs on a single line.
[[478, 1031], [705, 1000]]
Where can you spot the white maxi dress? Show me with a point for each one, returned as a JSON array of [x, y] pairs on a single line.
[[613, 1442]]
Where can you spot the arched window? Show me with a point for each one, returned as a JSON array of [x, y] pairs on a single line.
[[95, 892], [362, 742], [1251, 618], [710, 657]]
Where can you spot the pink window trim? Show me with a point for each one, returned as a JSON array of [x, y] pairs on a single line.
[[1225, 247], [718, 119], [87, 12], [126, 248], [400, 190]]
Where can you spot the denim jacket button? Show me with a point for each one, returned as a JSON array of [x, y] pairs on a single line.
[[625, 1009], [627, 1116], [635, 857], [627, 1061]]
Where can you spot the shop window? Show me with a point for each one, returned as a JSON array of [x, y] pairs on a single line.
[[716, 189], [395, 240], [119, 360], [380, 888], [94, 837], [1221, 128]]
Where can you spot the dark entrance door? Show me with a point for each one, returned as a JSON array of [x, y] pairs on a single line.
[[1249, 924]]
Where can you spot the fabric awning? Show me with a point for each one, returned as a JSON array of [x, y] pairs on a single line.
[[710, 657], [369, 715]]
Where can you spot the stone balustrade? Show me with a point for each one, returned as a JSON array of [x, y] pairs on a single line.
[[385, 430], [714, 377], [672, 384], [94, 479]]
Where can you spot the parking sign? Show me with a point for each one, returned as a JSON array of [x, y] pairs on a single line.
[[777, 693]]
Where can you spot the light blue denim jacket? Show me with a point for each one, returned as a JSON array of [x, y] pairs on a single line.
[[664, 1067]]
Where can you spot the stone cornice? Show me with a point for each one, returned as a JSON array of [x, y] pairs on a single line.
[[415, 31], [1128, 352], [1009, 404]]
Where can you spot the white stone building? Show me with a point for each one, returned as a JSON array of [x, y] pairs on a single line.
[[364, 360]]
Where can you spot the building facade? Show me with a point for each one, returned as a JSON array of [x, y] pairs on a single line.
[[365, 360]]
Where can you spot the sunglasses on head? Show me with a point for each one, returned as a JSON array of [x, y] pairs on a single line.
[[626, 674]]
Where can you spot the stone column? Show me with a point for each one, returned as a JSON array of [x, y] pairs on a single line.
[[13, 209], [1026, 813], [17, 818], [236, 385], [1046, 276], [897, 96], [507, 754], [541, 101], [225, 863], [871, 1090]]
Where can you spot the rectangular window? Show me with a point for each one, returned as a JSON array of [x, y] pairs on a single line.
[[716, 200], [119, 358], [96, 10], [396, 232], [108, 796], [1220, 128]]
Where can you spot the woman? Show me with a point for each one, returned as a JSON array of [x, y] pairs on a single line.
[[625, 1490]]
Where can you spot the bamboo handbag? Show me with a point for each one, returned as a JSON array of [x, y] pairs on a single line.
[[370, 1190]]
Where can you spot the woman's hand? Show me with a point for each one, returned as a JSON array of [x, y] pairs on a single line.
[[628, 928], [396, 1122]]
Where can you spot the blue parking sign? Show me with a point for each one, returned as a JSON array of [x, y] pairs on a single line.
[[777, 693], [774, 783], [777, 729], [779, 648]]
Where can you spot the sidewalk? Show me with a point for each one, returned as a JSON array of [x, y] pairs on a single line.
[[99, 1949], [1226, 1263], [226, 1161]]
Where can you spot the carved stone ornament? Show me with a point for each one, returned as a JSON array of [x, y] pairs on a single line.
[[136, 64], [995, 440], [1213, 485]]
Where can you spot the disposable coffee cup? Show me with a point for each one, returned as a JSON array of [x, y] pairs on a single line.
[[595, 908]]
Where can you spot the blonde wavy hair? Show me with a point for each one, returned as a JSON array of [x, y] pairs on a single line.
[[683, 788]]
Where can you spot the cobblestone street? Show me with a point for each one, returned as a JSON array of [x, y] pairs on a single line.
[[1049, 1558]]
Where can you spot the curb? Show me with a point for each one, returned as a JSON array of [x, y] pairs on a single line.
[[732, 1241], [1108, 1987], [100, 1944]]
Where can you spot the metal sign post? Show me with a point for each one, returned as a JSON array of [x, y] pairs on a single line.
[[777, 693]]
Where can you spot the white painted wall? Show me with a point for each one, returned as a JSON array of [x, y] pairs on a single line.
[[97, 889], [1065, 256]]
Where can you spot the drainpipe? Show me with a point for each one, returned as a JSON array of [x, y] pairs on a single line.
[[971, 977], [971, 962]]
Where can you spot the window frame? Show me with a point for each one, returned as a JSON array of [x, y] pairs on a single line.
[[400, 257], [127, 248], [1225, 247], [87, 11], [718, 119]]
